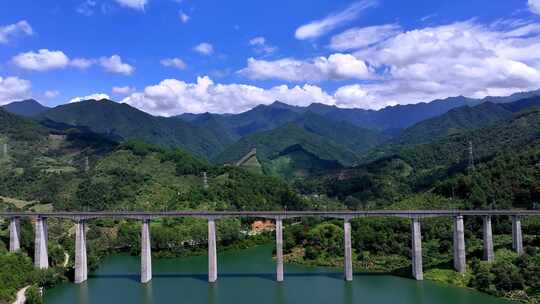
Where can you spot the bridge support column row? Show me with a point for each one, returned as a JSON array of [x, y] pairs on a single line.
[[146, 253], [41, 257], [348, 250], [417, 270], [517, 236], [489, 254], [81, 263], [459, 245], [279, 250], [212, 252], [14, 235]]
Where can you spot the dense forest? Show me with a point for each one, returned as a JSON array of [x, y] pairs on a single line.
[[57, 166]]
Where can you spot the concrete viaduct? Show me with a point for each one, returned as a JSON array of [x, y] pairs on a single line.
[[81, 218]]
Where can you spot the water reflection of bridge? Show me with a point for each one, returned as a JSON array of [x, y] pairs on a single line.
[[81, 218]]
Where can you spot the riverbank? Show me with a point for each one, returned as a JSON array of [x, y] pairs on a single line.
[[21, 295], [400, 267]]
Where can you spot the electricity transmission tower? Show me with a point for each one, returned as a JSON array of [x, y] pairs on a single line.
[[205, 180], [471, 156]]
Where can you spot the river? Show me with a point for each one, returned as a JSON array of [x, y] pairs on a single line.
[[248, 276]]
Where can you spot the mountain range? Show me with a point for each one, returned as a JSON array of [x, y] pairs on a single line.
[[317, 136]]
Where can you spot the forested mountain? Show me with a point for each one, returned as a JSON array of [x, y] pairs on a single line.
[[462, 119], [404, 170], [390, 119], [290, 148], [28, 107], [121, 121], [260, 118]]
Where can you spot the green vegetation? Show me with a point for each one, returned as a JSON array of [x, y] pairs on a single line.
[[121, 122], [56, 166], [273, 144]]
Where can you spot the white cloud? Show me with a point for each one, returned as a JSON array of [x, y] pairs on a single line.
[[261, 47], [318, 28], [82, 63], [123, 90], [114, 64], [174, 62], [184, 18], [334, 67], [463, 58], [534, 6], [134, 4], [11, 30], [86, 8], [51, 94], [13, 88], [360, 37], [172, 97], [43, 60], [205, 48], [96, 96]]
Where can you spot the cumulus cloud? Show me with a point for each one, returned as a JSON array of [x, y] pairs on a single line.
[[43, 60], [174, 63], [172, 97], [134, 4], [13, 88], [318, 28], [123, 90], [261, 47], [463, 58], [360, 37], [115, 65], [534, 6], [95, 96], [51, 94], [205, 48], [184, 18], [334, 67], [17, 29]]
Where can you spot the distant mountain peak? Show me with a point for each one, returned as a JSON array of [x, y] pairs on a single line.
[[27, 107]]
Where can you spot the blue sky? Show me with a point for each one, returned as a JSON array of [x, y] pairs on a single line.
[[167, 57]]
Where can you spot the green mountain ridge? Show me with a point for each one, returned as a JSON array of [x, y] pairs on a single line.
[[271, 144], [123, 121], [28, 108], [462, 119]]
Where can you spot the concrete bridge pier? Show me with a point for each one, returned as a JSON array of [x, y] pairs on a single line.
[[41, 257], [417, 270], [459, 245], [81, 263], [348, 250], [146, 252], [489, 254], [14, 235], [517, 236], [279, 250], [212, 252]]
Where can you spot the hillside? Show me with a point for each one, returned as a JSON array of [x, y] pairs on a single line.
[[122, 121], [389, 119], [290, 147], [463, 119], [402, 171], [28, 107]]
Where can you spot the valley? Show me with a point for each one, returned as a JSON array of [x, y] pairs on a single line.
[[101, 155]]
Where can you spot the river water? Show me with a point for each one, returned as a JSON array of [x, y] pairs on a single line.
[[248, 276]]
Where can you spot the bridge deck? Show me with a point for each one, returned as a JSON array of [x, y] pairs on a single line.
[[272, 214]]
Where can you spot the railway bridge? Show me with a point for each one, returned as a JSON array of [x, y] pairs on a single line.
[[416, 216]]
